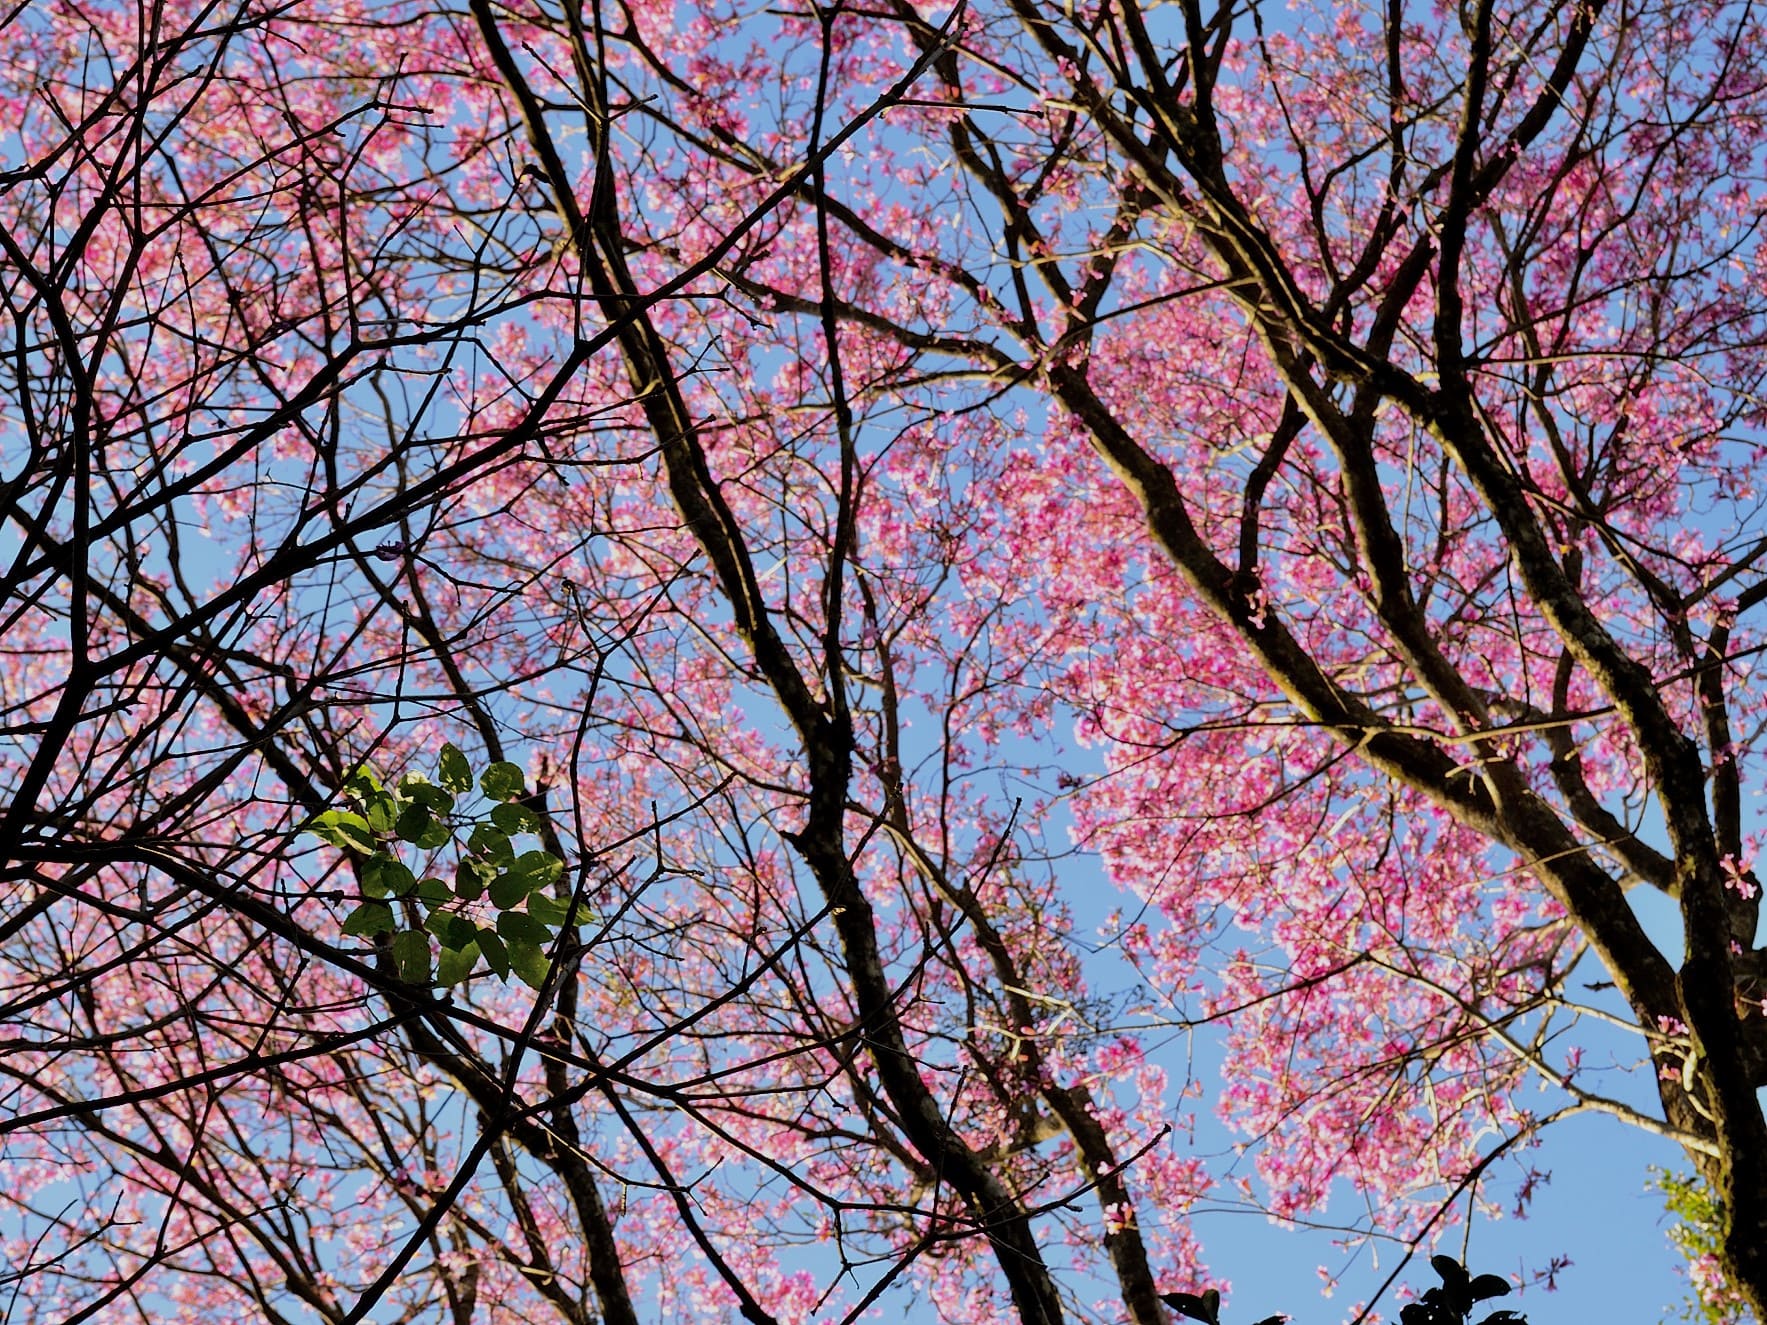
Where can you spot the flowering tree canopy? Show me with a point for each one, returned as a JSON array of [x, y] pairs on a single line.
[[581, 581]]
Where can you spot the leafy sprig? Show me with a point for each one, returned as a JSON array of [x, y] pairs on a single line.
[[501, 906]]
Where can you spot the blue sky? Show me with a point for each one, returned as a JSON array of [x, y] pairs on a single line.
[[1595, 1210]]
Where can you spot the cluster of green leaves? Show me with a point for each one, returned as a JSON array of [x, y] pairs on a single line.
[[503, 904], [1698, 1233], [1451, 1304]]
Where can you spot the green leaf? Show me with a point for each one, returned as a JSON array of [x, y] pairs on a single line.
[[470, 877], [495, 953], [415, 787], [454, 772], [380, 809], [417, 824], [413, 821], [383, 875], [529, 962], [343, 829], [368, 874], [411, 951], [491, 843], [520, 928], [548, 910], [456, 964], [362, 783], [502, 781], [508, 890], [451, 929], [514, 819], [542, 869], [434, 892], [370, 918]]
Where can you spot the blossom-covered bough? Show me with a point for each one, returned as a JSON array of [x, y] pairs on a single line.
[[583, 581]]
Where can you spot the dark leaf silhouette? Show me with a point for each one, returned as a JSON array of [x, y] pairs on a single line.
[[1451, 1304], [1205, 1306], [1488, 1285]]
